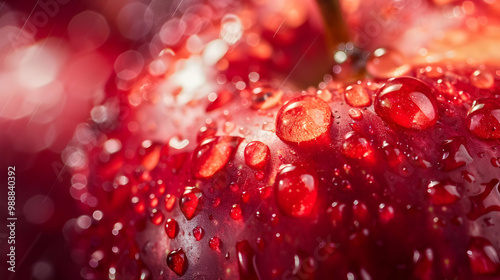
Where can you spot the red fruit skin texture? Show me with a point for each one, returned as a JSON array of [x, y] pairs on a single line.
[[417, 198]]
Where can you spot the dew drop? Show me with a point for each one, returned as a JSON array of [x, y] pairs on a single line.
[[296, 190], [482, 79], [443, 193], [216, 202], [156, 217], [336, 213], [385, 63], [149, 154], [217, 100], [407, 102], [198, 233], [265, 97], [385, 213], [483, 256], [207, 131], [257, 154], [215, 243], [304, 118], [483, 118], [357, 96], [190, 202], [236, 213], [355, 146], [138, 205], [355, 114], [212, 155], [177, 262], [171, 228], [169, 202]]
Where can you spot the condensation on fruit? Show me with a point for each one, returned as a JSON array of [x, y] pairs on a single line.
[[296, 190], [265, 97], [483, 256], [482, 79], [212, 155], [355, 146], [483, 118], [171, 228], [303, 119], [407, 102], [177, 261], [256, 154], [190, 202], [454, 154]]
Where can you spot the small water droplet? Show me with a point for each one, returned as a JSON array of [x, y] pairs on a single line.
[[355, 146], [357, 96], [216, 202], [482, 79], [303, 119], [212, 155], [215, 243], [296, 190], [149, 154], [265, 97], [171, 228], [190, 202], [443, 193], [217, 100], [407, 102], [245, 196], [385, 213], [169, 202], [264, 192], [336, 213], [198, 233], [483, 256], [138, 204], [156, 217], [257, 154], [236, 213], [177, 262], [483, 118], [355, 114]]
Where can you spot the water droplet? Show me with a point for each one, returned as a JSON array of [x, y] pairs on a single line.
[[385, 213], [423, 264], [138, 205], [357, 96], [171, 228], [407, 102], [385, 63], [443, 193], [355, 146], [198, 233], [215, 243], [149, 154], [483, 256], [454, 154], [360, 211], [355, 114], [478, 207], [169, 202], [257, 154], [245, 196], [265, 97], [177, 262], [264, 192], [234, 187], [336, 213], [235, 212], [245, 255], [304, 118], [216, 202], [483, 118], [156, 217], [482, 79], [212, 155], [217, 100], [190, 202], [259, 175], [296, 190]]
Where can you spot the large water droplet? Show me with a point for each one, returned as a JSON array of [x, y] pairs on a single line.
[[149, 154], [407, 102], [212, 155], [190, 202], [177, 262], [385, 63], [442, 193], [482, 79], [355, 146], [171, 228], [357, 96], [256, 154], [454, 154], [483, 257], [302, 119], [483, 119], [296, 190]]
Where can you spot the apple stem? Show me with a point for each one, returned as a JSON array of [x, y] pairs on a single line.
[[335, 27]]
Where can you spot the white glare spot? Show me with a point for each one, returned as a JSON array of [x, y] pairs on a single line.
[[214, 51], [231, 29]]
